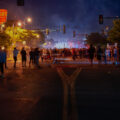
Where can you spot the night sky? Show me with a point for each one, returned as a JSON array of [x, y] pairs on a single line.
[[81, 13]]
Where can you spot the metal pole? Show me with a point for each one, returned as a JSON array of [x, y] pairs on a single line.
[[13, 31], [24, 23]]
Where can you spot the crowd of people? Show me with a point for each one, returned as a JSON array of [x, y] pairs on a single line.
[[34, 55]]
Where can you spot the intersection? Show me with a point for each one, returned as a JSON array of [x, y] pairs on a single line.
[[45, 93]]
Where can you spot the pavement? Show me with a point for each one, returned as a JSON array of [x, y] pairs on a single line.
[[60, 92]]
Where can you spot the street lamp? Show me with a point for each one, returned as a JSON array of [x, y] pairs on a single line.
[[38, 36], [24, 42], [2, 27], [3, 48], [29, 20], [19, 24]]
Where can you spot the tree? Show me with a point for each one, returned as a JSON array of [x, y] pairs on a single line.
[[96, 39], [114, 33], [18, 34], [4, 39], [41, 37]]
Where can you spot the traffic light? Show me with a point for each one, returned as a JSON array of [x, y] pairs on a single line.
[[100, 19], [20, 2], [64, 29], [74, 33], [47, 31]]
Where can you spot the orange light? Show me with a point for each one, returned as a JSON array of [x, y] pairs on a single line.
[[24, 42], [3, 25], [29, 20], [38, 36], [19, 24], [3, 48], [3, 16]]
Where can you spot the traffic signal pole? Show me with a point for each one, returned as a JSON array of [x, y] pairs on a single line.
[[101, 18]]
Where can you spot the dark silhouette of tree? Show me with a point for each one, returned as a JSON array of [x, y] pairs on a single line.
[[96, 38]]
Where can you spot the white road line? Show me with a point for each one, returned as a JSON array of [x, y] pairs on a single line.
[[69, 81]]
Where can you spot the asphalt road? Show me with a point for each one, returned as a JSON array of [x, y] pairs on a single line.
[[62, 92]]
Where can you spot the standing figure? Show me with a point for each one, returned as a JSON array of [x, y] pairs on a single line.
[[74, 54], [99, 54], [2, 62], [91, 53], [80, 53], [115, 52], [31, 54], [105, 55], [15, 53], [37, 53], [23, 54], [41, 55], [108, 54]]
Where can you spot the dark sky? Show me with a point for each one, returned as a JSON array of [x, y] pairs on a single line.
[[81, 13]]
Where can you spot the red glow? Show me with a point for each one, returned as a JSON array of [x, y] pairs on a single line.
[[3, 16]]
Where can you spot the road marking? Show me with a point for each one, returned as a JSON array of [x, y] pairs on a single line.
[[69, 81]]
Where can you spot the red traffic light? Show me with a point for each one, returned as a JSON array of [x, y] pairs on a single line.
[[100, 19]]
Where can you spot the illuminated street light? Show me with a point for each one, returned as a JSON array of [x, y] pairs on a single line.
[[29, 20], [3, 25], [3, 48], [23, 23], [24, 42], [38, 36], [19, 24]]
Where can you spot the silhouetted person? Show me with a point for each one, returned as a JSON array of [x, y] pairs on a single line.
[[41, 55], [99, 54], [15, 53], [37, 53], [23, 54], [31, 54], [2, 62], [74, 54], [80, 53], [48, 54], [91, 53], [115, 54]]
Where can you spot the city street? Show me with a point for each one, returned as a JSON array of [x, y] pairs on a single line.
[[59, 60], [60, 92]]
